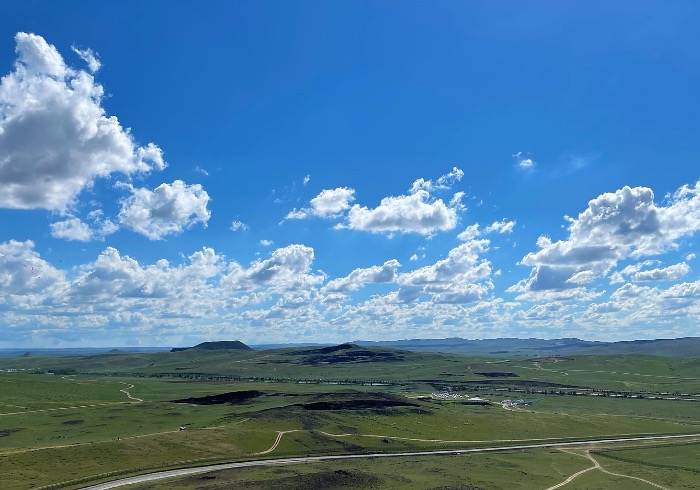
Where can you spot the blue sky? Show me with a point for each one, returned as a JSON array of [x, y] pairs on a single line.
[[333, 171]]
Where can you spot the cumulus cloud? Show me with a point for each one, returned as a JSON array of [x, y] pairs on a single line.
[[615, 226], [674, 272], [469, 233], [266, 243], [462, 277], [75, 229], [359, 277], [415, 213], [328, 204], [288, 268], [168, 209], [55, 136], [71, 229], [503, 226]]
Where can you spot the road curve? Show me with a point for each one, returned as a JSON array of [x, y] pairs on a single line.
[[270, 462]]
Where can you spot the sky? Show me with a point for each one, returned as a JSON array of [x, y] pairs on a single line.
[[351, 170]]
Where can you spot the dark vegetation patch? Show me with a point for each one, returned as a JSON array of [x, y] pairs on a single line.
[[346, 353], [354, 356], [497, 374], [73, 422], [356, 405], [9, 432], [324, 479], [457, 487], [356, 400], [329, 479], [515, 383], [231, 397], [325, 350]]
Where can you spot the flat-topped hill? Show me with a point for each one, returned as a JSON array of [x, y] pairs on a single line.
[[220, 345]]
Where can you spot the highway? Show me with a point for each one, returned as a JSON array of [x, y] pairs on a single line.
[[282, 461]]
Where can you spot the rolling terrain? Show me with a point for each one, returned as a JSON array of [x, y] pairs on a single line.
[[102, 417]]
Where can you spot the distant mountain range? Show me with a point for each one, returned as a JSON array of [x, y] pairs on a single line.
[[687, 347], [683, 347]]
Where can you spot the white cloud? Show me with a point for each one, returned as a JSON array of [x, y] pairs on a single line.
[[503, 226], [200, 170], [674, 272], [415, 213], [359, 277], [462, 277], [71, 229], [615, 226], [55, 137], [266, 243], [414, 257], [469, 233], [524, 161], [328, 204], [444, 182], [168, 209], [689, 257], [238, 225], [90, 57], [287, 269], [307, 179], [75, 229]]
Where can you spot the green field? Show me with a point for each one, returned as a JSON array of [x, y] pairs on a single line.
[[119, 415]]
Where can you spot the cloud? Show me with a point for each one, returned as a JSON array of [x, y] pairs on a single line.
[[238, 225], [442, 183], [503, 226], [359, 277], [414, 257], [469, 233], [200, 170], [415, 213], [328, 204], [55, 137], [71, 229], [168, 209], [462, 277], [524, 161], [623, 224], [287, 269], [90, 57], [75, 229], [674, 272], [266, 243], [307, 179]]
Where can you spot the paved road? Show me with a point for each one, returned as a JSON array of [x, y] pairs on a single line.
[[270, 462]]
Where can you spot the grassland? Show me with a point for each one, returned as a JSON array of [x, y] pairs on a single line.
[[119, 415]]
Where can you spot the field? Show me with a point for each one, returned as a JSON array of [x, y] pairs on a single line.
[[100, 417]]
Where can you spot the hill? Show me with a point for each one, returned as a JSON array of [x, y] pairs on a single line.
[[220, 345]]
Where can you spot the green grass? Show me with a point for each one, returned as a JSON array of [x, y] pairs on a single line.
[[521, 470], [57, 428]]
